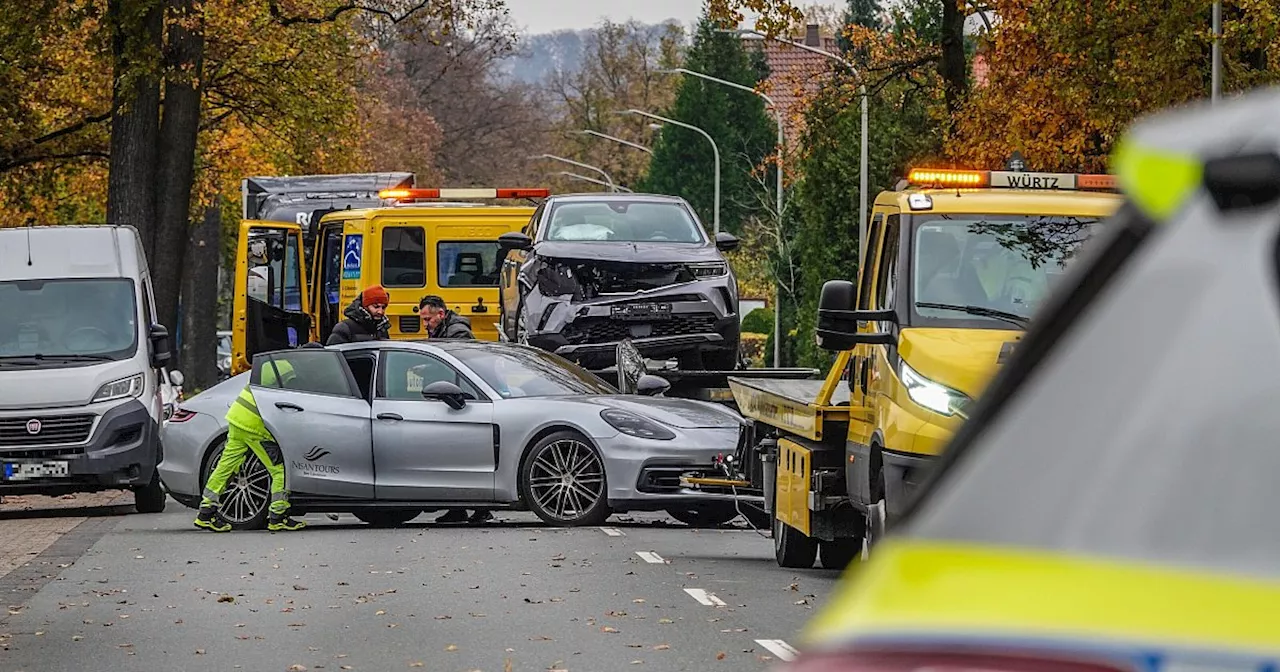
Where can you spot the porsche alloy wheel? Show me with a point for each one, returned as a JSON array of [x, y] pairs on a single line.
[[563, 481], [248, 492]]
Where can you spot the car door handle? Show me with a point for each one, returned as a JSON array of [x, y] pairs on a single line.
[[286, 406], [390, 416]]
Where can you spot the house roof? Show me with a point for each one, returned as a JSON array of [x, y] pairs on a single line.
[[795, 75]]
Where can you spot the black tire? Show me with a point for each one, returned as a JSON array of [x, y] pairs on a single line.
[[388, 517], [710, 514], [839, 553], [151, 497], [538, 479], [791, 548], [249, 517]]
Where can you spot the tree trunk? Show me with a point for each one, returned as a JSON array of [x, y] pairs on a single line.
[[135, 45], [953, 67], [200, 302], [178, 130]]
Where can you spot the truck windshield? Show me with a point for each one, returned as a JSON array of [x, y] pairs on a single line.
[[992, 269], [623, 221], [80, 319]]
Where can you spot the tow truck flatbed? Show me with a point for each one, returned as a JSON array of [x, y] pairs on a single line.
[[801, 407]]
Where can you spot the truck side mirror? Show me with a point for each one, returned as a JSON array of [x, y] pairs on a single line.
[[838, 320], [160, 350]]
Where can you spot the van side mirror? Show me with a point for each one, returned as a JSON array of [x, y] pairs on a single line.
[[160, 350], [726, 242], [447, 392], [651, 386], [514, 240], [838, 319]]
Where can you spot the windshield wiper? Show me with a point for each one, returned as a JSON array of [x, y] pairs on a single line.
[[1013, 318], [58, 358]]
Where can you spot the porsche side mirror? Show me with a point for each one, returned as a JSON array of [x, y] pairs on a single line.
[[651, 386], [447, 392], [726, 242], [514, 240]]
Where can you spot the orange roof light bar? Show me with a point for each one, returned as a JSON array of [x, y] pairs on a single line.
[[423, 194], [949, 178]]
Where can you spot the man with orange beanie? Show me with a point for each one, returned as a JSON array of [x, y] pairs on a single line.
[[366, 318]]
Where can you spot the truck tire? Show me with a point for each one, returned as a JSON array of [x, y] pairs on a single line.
[[150, 498], [792, 548], [839, 553]]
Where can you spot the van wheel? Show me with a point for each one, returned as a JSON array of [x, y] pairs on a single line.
[[388, 517], [150, 498], [792, 548]]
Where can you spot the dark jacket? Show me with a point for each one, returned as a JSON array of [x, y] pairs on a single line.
[[359, 326], [453, 326]]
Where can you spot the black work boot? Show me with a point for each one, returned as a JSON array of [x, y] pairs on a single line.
[[211, 519], [480, 516]]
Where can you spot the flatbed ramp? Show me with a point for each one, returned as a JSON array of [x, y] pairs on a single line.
[[795, 406]]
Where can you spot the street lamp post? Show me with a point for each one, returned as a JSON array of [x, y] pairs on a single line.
[[615, 139], [593, 180], [777, 112], [862, 92], [571, 162], [715, 217]]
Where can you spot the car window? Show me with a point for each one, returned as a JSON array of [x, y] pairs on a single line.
[[526, 372], [887, 276], [407, 373], [318, 372], [404, 256], [468, 263]]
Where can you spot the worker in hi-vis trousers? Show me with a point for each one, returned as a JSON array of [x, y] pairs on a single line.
[[245, 432]]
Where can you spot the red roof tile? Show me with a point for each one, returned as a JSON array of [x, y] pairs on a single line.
[[795, 75]]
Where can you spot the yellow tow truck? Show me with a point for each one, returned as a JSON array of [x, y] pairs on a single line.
[[309, 244], [954, 265]]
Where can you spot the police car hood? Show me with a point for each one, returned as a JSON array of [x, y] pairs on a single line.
[[962, 359], [53, 384]]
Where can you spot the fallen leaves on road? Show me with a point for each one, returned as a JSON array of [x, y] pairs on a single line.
[[297, 668], [443, 618], [665, 621], [416, 663], [226, 598], [662, 647], [199, 652], [721, 655], [451, 647], [608, 629], [379, 612], [299, 587]]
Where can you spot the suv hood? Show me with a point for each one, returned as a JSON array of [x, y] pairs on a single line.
[[651, 252]]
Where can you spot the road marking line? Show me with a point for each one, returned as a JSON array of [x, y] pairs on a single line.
[[703, 597], [779, 648], [613, 532], [651, 557]]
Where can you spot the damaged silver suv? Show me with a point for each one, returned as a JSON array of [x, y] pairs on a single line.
[[590, 270]]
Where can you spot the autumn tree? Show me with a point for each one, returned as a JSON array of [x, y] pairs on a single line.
[[618, 72], [1065, 78]]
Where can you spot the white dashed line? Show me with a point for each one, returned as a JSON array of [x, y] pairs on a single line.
[[779, 648], [703, 597], [613, 532], [651, 557]]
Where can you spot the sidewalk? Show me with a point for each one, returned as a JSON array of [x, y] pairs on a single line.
[[27, 535]]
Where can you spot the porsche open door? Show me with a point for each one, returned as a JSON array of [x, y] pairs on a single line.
[[270, 310]]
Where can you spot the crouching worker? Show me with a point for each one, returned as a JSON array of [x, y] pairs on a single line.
[[246, 432]]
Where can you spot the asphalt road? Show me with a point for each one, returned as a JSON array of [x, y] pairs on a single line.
[[646, 593]]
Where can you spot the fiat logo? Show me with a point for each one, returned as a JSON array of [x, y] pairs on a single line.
[[33, 426]]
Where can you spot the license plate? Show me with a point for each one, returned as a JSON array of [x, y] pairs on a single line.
[[26, 471], [642, 311]]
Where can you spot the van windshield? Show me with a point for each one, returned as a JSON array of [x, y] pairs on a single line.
[[86, 319], [988, 263]]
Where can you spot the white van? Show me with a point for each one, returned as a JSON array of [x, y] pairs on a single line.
[[81, 360]]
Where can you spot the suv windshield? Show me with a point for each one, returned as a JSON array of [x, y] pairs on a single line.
[[521, 372], [976, 267], [623, 221], [76, 319]]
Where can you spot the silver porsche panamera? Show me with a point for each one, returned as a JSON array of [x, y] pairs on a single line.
[[387, 430]]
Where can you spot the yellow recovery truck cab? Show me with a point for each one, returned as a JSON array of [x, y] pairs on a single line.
[[284, 297], [954, 265]]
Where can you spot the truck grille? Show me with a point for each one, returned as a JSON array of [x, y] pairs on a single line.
[[53, 430], [604, 330]]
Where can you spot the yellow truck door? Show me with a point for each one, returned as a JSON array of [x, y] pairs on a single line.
[[270, 305]]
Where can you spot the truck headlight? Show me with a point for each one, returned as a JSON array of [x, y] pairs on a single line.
[[121, 389], [633, 425], [934, 396]]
